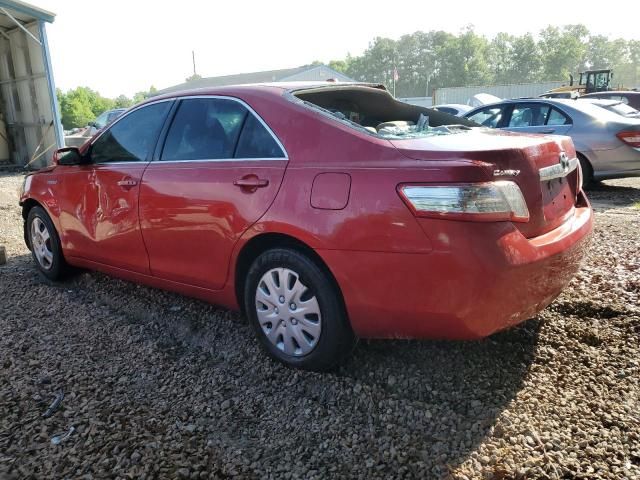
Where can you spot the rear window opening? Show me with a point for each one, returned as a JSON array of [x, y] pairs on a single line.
[[374, 110]]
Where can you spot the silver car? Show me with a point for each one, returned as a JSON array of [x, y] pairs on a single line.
[[608, 144], [456, 109]]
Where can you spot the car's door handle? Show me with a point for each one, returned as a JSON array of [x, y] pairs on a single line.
[[251, 182], [548, 130], [127, 182]]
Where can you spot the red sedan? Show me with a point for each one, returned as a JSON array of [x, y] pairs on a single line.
[[325, 212]]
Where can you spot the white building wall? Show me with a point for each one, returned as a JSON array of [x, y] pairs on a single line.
[[419, 101], [26, 103]]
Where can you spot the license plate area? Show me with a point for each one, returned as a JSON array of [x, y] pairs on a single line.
[[557, 196]]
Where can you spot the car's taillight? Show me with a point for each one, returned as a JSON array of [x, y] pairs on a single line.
[[631, 138], [488, 202]]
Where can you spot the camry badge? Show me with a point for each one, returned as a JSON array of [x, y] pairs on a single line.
[[506, 173]]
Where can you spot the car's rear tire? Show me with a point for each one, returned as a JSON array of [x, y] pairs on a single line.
[[587, 172], [45, 244], [296, 311]]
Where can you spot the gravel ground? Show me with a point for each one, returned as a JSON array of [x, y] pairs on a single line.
[[158, 385]]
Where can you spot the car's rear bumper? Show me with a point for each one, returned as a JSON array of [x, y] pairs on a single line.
[[478, 279]]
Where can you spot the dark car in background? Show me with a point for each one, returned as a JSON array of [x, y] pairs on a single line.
[[104, 119]]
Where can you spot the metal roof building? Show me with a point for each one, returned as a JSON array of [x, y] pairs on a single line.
[[307, 73], [30, 127]]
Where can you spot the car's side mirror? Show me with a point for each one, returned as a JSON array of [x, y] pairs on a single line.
[[67, 156]]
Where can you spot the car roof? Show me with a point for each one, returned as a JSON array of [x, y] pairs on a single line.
[[272, 87], [558, 101], [453, 105]]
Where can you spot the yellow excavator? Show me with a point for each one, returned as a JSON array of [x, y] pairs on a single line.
[[590, 81]]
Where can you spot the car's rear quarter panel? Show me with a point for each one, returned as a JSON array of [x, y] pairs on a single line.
[[401, 276]]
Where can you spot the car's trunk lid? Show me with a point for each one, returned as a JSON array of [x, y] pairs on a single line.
[[533, 162]]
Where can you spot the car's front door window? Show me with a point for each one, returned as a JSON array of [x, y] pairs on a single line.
[[488, 117], [132, 138], [529, 115]]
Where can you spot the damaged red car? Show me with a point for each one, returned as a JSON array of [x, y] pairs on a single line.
[[326, 212]]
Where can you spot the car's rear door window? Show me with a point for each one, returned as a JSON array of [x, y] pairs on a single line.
[[556, 117], [257, 142], [133, 137], [204, 129]]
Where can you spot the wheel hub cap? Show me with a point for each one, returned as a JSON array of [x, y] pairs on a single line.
[[288, 312], [41, 243]]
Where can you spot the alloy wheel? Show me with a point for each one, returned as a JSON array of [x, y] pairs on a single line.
[[41, 243]]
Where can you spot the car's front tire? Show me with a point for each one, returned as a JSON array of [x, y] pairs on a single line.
[[45, 244], [296, 311]]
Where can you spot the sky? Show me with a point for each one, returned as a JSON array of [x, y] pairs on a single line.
[[122, 47]]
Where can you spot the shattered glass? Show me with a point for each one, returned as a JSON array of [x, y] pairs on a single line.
[[414, 131]]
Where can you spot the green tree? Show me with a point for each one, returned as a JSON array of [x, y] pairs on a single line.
[[526, 61], [564, 51], [434, 59], [377, 62], [501, 58], [603, 53], [464, 60], [340, 65], [77, 107], [122, 102], [141, 96]]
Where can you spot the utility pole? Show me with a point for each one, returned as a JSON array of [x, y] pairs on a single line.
[[193, 57], [426, 92], [394, 81]]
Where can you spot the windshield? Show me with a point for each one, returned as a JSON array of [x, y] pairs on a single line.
[[597, 107], [592, 109], [622, 109], [101, 121]]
